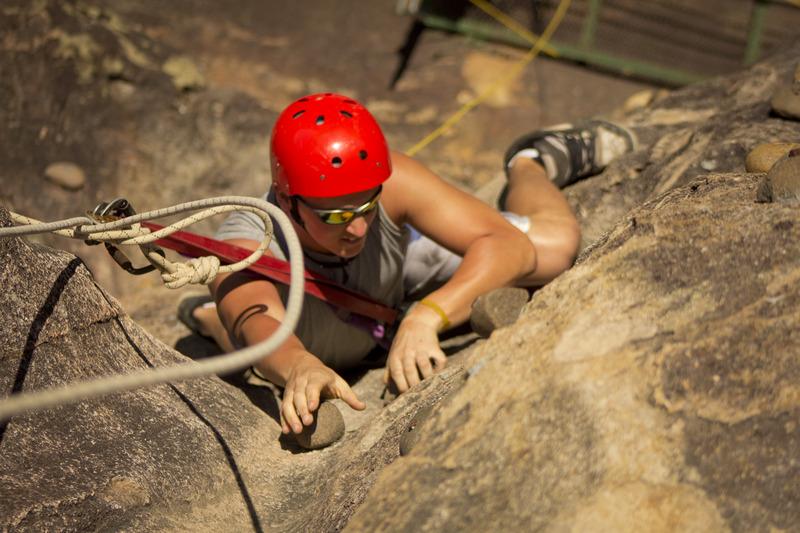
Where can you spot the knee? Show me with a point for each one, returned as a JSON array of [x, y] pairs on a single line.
[[566, 242]]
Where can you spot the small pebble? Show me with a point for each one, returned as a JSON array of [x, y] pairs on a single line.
[[67, 175], [708, 164], [327, 428], [639, 100], [762, 157], [184, 73]]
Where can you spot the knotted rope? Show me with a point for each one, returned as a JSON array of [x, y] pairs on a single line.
[[128, 231]]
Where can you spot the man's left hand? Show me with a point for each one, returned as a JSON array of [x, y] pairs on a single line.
[[415, 352]]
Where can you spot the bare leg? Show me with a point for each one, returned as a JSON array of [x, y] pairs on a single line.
[[554, 229], [211, 326]]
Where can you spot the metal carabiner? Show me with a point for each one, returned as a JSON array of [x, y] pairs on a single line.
[[109, 212]]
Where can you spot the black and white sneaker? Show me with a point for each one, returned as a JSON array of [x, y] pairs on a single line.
[[570, 152]]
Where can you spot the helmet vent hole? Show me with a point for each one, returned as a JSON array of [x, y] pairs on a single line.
[[303, 100], [320, 120], [322, 177], [362, 154], [351, 102], [336, 162], [346, 114], [297, 115]]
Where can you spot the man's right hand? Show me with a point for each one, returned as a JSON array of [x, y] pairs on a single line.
[[309, 381]]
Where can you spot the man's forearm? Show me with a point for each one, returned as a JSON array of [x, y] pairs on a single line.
[[488, 264], [277, 366]]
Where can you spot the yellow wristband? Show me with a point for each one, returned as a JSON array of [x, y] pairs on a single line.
[[433, 305]]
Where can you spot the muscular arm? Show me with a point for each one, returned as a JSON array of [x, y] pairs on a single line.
[[251, 310], [495, 254]]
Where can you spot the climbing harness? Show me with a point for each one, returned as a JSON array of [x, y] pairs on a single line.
[[105, 225]]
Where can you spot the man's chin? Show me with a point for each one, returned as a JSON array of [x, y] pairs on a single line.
[[351, 250]]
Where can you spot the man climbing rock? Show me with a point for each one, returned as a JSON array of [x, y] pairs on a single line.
[[379, 223]]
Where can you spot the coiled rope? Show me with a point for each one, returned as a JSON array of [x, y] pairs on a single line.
[[128, 231]]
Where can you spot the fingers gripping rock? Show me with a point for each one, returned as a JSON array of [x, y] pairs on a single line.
[[327, 428]]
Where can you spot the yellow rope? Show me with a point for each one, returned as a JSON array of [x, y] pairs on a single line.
[[512, 25], [538, 46]]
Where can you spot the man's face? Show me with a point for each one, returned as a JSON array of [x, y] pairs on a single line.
[[355, 212]]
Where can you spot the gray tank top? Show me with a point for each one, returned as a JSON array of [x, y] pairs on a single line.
[[377, 272]]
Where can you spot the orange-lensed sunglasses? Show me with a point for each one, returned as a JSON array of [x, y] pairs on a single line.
[[343, 216]]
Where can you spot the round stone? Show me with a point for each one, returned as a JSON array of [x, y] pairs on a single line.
[[327, 428], [762, 157], [783, 179], [497, 309], [67, 175]]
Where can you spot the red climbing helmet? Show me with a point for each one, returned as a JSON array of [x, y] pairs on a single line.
[[328, 145]]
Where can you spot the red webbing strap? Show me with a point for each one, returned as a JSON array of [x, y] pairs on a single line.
[[193, 245]]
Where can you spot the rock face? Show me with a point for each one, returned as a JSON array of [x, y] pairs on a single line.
[[121, 461], [202, 455], [652, 387], [666, 401]]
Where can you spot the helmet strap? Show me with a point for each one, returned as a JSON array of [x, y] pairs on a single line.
[[294, 212]]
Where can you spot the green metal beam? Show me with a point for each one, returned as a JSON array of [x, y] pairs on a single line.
[[613, 63], [755, 31]]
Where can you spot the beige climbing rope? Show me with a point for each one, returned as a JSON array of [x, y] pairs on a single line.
[[128, 231]]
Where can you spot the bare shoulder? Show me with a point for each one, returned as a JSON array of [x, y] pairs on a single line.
[[409, 180]]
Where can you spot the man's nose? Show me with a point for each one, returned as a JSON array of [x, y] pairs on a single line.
[[358, 227]]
